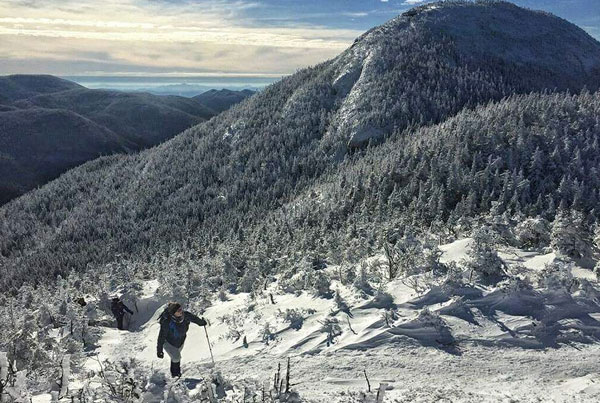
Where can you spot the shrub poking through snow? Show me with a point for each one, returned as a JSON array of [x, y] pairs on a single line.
[[556, 275], [331, 327], [383, 300], [540, 330], [419, 284], [597, 270], [454, 277], [431, 258], [429, 318], [361, 282], [389, 316], [533, 233], [404, 256], [340, 303], [321, 284], [223, 295], [295, 317], [65, 374], [587, 290], [299, 279], [122, 381], [5, 373], [515, 284], [483, 258], [267, 334], [570, 237], [235, 323], [348, 274]]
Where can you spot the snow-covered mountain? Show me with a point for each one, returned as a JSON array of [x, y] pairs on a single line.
[[497, 43], [252, 159], [431, 192]]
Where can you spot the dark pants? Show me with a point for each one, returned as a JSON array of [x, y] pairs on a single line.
[[120, 322], [175, 369], [175, 355]]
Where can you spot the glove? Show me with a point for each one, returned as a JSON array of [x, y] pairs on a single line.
[[160, 354]]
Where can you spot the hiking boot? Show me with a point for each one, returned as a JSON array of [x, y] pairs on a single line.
[[175, 369]]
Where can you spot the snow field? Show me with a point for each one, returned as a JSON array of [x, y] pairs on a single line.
[[464, 343]]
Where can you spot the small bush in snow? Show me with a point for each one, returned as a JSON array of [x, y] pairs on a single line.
[[570, 236], [267, 334], [121, 381], [587, 290], [223, 295], [556, 275], [515, 285], [540, 330], [533, 233], [331, 327], [597, 270], [304, 278], [454, 277], [295, 317], [321, 284], [348, 274], [235, 323], [431, 259], [340, 303], [404, 256], [429, 318], [483, 258], [294, 281], [389, 316], [419, 283], [361, 282], [383, 300]]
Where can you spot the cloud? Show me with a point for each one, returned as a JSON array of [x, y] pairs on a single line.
[[77, 37], [144, 32], [158, 35]]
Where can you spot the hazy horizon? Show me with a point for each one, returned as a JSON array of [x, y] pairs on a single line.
[[173, 85]]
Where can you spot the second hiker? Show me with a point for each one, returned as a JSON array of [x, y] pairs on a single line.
[[174, 324], [118, 309]]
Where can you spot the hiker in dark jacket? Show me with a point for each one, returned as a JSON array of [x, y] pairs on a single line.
[[118, 309], [174, 324]]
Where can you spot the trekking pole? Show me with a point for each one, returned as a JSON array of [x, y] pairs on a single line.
[[209, 347]]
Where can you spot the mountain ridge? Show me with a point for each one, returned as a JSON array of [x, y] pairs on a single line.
[[19, 86], [221, 100], [49, 125]]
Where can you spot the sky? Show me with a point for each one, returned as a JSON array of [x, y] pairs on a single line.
[[266, 38]]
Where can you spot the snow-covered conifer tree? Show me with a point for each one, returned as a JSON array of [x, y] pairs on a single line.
[[569, 236]]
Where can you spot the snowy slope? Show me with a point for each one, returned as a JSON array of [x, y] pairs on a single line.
[[465, 343]]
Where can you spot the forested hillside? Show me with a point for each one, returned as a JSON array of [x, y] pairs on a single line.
[[49, 125], [525, 156], [21, 86], [221, 100]]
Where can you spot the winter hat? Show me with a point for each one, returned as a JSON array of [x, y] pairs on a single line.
[[173, 307]]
